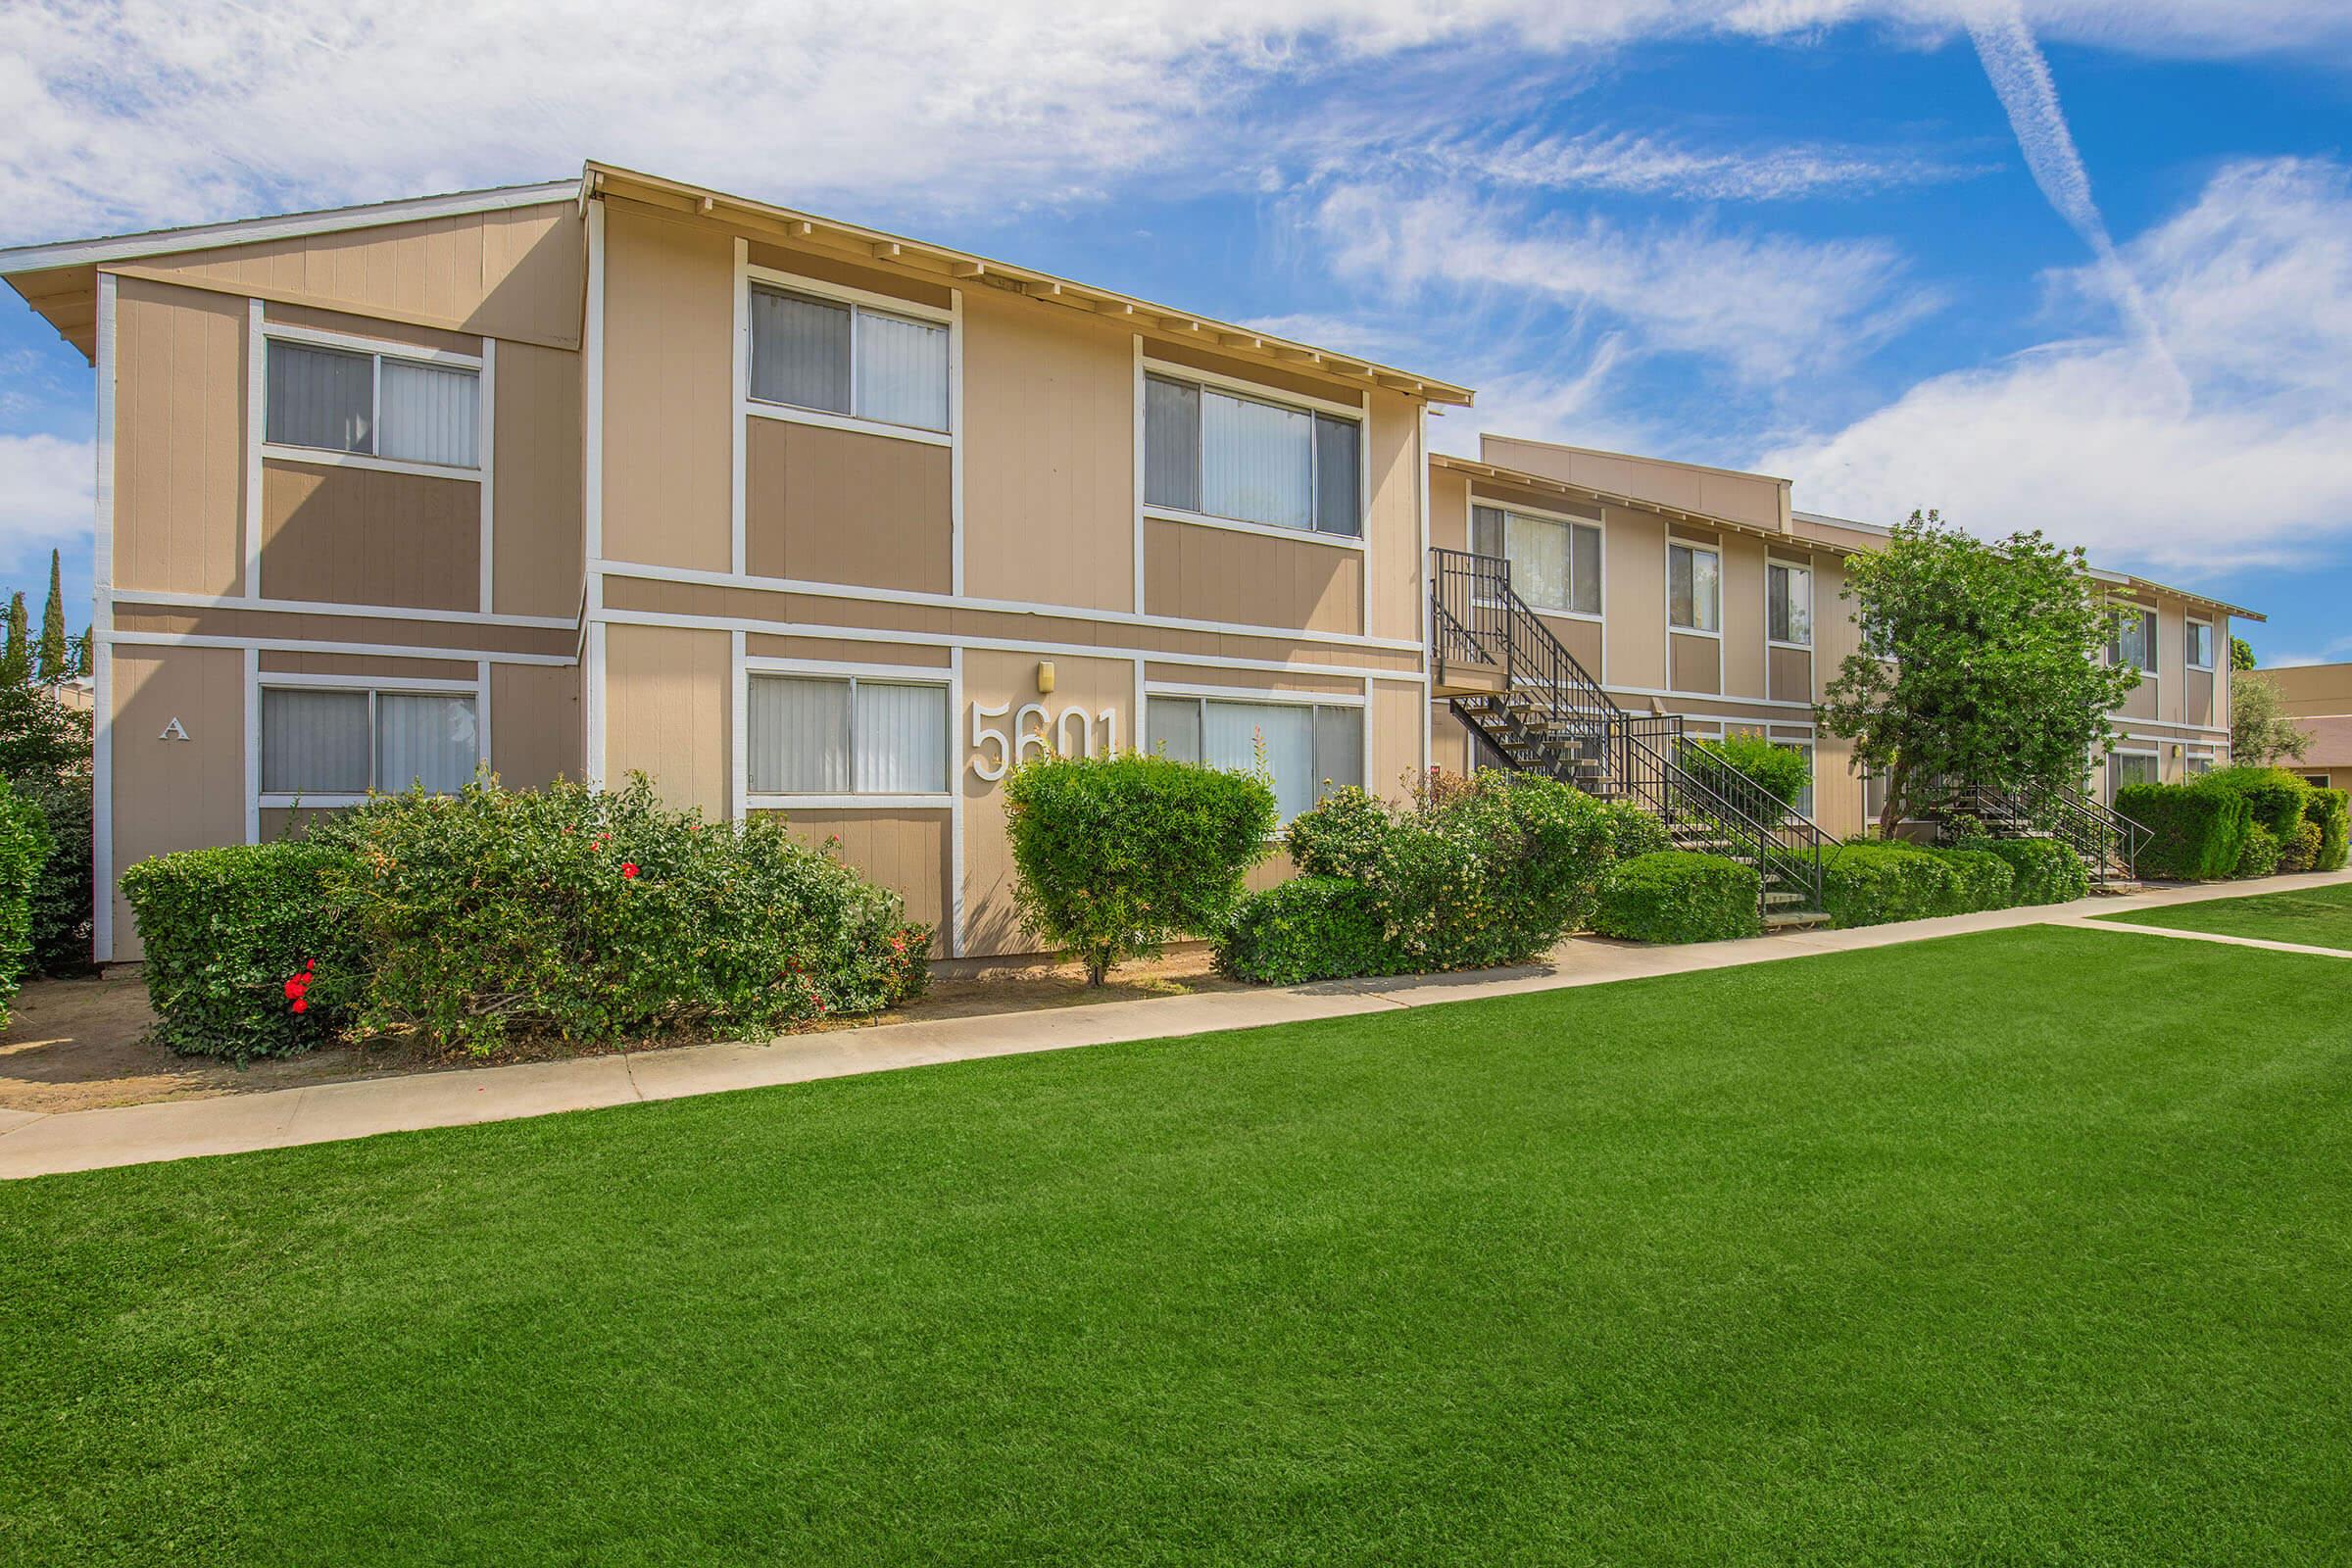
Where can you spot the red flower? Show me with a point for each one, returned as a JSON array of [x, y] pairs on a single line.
[[629, 869], [301, 1006]]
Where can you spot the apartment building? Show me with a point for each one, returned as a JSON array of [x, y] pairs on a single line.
[[2319, 699], [616, 474]]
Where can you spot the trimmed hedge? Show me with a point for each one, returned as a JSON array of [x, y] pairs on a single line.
[[1308, 928], [1983, 879], [1342, 837], [2195, 833], [1677, 896], [227, 929], [2332, 809], [2258, 853], [2041, 870], [1781, 771], [2274, 797], [1634, 832], [2302, 851], [24, 850], [1880, 881]]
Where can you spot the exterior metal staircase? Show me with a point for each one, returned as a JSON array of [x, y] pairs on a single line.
[[2108, 842], [1527, 699]]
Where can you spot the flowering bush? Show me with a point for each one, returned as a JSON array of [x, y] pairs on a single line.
[[592, 915]]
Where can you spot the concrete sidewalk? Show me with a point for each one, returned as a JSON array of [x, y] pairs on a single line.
[[35, 1144]]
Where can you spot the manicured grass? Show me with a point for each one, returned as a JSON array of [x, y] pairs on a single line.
[[2032, 1246], [2319, 917]]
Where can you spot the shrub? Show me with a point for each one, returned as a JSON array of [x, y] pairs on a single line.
[[1983, 878], [594, 916], [1340, 837], [62, 894], [227, 929], [2328, 808], [2195, 833], [1879, 881], [2257, 853], [1308, 928], [1780, 770], [1632, 831], [1119, 854], [2274, 797], [1492, 872], [24, 848], [2041, 870], [2302, 850], [1674, 895]]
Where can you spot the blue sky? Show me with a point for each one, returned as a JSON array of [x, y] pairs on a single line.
[[2065, 266]]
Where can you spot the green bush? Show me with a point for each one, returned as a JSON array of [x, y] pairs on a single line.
[[24, 850], [594, 916], [2041, 870], [1982, 877], [2332, 809], [227, 929], [61, 894], [2302, 850], [1340, 837], [2258, 852], [2195, 833], [1119, 854], [1782, 771], [1492, 872], [1880, 881], [1308, 928], [1675, 896], [2274, 797], [1633, 831]]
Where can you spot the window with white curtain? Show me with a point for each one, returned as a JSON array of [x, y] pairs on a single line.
[[2128, 767], [1789, 605], [1554, 564], [321, 742], [2199, 644], [1310, 748], [1250, 459], [845, 735], [1694, 588], [375, 405], [2134, 639], [838, 358]]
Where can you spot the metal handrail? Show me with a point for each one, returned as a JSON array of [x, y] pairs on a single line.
[[2090, 827]]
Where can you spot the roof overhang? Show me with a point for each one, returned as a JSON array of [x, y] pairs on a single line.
[[874, 247], [2144, 585], [1542, 485]]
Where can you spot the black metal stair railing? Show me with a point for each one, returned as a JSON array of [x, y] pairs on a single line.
[[2105, 839]]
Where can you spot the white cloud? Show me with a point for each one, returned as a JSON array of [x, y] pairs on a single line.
[[44, 494], [1767, 306], [2252, 289], [1649, 166]]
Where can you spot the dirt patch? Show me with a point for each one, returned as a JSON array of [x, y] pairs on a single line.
[[78, 1045]]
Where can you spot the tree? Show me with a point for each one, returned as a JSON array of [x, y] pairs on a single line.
[[85, 665], [16, 659], [2259, 732], [2241, 653], [52, 667], [1978, 661]]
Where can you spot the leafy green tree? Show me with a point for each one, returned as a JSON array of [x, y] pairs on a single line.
[[2241, 653], [85, 662], [15, 657], [52, 667], [2260, 731], [1978, 659]]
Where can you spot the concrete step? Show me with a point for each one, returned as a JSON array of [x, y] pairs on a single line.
[[1794, 919]]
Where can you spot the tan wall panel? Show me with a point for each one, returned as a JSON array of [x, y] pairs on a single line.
[[1177, 351], [1634, 583], [906, 851], [179, 439], [330, 630], [536, 541], [669, 324], [840, 650], [1090, 685], [1698, 664], [1837, 789], [1177, 672], [834, 506], [1204, 574], [1582, 639], [1049, 476], [361, 536], [515, 275], [1393, 522], [365, 666], [2141, 701], [833, 269], [377, 326], [1792, 675], [667, 714], [172, 794], [1743, 616], [1749, 498], [1448, 740], [1834, 634], [1395, 761], [2197, 696], [276, 822], [1448, 510], [534, 723], [2306, 691]]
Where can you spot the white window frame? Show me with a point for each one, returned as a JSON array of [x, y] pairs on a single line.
[[1806, 567], [379, 350], [862, 301], [1599, 525], [1258, 392], [1250, 695], [2150, 750], [369, 686], [2187, 621], [2149, 670], [848, 800], [1672, 545]]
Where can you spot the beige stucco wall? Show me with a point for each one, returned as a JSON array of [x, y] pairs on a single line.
[[172, 794], [179, 439]]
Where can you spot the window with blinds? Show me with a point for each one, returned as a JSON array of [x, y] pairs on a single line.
[[1310, 748], [1250, 459], [2134, 639], [1694, 588], [374, 405], [845, 735], [837, 357], [319, 742], [1789, 605], [1555, 564]]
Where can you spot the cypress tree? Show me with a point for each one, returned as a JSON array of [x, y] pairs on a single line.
[[83, 666], [15, 661], [53, 667]]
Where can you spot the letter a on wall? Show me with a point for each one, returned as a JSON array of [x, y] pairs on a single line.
[[173, 731]]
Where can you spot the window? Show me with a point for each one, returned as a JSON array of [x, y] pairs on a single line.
[[835, 735], [1694, 588], [375, 405], [1554, 564], [847, 360], [2318, 781], [1789, 605], [332, 742], [2134, 639], [2200, 645], [1804, 800], [1311, 748], [2128, 767], [1249, 460]]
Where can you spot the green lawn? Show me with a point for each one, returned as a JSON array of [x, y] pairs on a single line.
[[2030, 1246], [2319, 917]]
